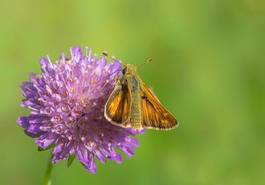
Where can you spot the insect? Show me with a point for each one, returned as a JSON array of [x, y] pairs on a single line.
[[132, 104]]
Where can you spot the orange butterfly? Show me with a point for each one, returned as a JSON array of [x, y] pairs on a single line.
[[132, 104]]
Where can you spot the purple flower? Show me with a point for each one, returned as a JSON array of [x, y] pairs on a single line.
[[67, 110]]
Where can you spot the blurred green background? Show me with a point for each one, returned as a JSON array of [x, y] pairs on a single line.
[[208, 68]]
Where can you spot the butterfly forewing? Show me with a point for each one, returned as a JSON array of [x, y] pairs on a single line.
[[155, 115], [118, 106]]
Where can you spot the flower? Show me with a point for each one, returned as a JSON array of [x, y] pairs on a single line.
[[67, 110]]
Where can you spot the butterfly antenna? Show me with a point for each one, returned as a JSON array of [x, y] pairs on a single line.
[[145, 62]]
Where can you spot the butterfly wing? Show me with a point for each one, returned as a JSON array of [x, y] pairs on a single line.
[[155, 116], [118, 106]]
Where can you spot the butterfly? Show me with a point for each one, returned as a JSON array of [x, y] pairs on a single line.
[[132, 104]]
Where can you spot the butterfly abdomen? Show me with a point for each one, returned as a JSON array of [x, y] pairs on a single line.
[[136, 117]]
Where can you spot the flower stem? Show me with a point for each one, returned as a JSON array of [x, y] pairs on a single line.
[[47, 177]]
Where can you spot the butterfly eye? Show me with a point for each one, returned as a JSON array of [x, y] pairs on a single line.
[[124, 70]]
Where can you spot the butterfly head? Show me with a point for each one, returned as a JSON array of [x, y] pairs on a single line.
[[129, 69]]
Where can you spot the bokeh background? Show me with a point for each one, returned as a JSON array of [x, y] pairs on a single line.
[[208, 68]]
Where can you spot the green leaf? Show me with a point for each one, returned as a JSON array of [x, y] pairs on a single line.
[[70, 160]]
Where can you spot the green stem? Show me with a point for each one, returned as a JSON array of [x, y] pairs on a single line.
[[47, 177]]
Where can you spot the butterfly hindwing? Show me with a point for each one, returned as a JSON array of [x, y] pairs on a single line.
[[155, 115]]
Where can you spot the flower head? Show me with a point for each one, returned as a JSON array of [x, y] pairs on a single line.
[[67, 110]]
